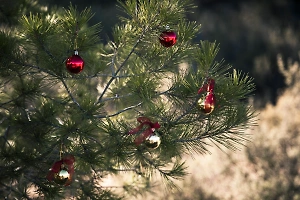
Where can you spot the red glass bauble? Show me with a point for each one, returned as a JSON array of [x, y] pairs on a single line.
[[207, 103], [168, 38], [75, 63]]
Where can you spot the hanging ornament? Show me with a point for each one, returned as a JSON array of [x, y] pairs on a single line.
[[144, 121], [167, 38], [75, 63], [153, 141], [62, 176], [62, 171], [207, 102]]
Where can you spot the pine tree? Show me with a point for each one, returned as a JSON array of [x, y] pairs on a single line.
[[100, 120]]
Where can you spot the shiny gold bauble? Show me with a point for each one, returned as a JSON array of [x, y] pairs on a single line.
[[153, 141], [207, 103], [205, 108], [62, 176]]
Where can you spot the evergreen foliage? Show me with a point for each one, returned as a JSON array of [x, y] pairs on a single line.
[[46, 111]]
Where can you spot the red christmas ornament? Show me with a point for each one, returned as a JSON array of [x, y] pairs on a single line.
[[168, 38], [75, 63], [207, 103], [62, 171], [146, 133]]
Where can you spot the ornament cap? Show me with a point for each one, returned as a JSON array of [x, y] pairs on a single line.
[[75, 52]]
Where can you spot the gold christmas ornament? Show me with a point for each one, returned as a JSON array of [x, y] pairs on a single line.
[[62, 171], [62, 176], [207, 103], [153, 141]]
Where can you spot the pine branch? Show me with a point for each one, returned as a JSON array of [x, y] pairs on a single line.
[[36, 67], [120, 111], [41, 106], [177, 172], [120, 67], [117, 97], [70, 94]]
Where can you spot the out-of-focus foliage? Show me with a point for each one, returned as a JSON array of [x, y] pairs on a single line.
[[251, 34], [11, 10]]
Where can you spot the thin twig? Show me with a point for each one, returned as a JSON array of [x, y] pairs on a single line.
[[189, 109], [190, 139], [36, 67], [118, 70], [70, 94], [185, 113], [112, 66], [95, 76], [117, 97], [130, 94], [122, 65], [119, 112]]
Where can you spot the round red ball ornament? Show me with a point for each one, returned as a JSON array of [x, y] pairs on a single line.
[[75, 63], [168, 38]]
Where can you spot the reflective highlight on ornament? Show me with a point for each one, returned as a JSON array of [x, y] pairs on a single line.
[[62, 177], [153, 141], [168, 38], [62, 171], [207, 103], [75, 63]]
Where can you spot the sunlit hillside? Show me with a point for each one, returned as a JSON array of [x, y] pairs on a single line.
[[267, 168]]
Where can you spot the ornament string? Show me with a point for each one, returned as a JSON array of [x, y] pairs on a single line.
[[76, 36], [144, 121], [61, 151]]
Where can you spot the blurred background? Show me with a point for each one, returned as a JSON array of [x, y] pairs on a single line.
[[260, 37]]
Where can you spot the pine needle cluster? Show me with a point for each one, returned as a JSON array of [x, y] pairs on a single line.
[[47, 111]]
